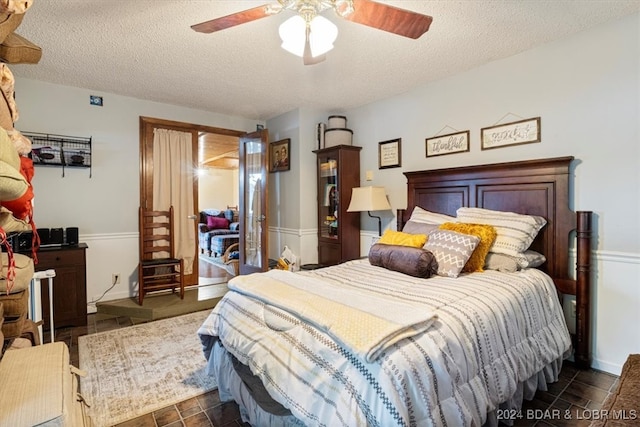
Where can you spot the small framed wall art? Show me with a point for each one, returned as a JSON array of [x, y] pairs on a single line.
[[514, 133], [279, 155], [390, 154], [447, 144]]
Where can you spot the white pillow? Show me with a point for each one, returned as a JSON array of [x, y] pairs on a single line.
[[426, 217], [530, 259], [516, 232]]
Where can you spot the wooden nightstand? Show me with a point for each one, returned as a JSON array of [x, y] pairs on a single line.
[[69, 285]]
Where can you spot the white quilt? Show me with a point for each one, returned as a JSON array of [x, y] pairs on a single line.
[[365, 323], [493, 330]]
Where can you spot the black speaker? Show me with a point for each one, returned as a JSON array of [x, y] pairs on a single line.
[[43, 233], [72, 236], [56, 236]]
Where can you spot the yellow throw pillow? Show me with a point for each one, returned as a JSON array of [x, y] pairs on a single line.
[[487, 235], [391, 237]]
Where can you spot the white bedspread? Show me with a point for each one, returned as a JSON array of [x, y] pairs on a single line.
[[365, 323], [493, 330]]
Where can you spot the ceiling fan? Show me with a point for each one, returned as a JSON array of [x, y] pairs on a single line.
[[309, 35]]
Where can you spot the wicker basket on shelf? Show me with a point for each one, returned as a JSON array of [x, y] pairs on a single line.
[[234, 262]]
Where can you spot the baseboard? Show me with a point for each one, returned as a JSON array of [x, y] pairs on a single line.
[[611, 368]]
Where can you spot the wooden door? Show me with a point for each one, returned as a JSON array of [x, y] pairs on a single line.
[[147, 125], [253, 202]]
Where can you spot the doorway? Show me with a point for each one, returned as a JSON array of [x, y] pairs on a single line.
[[218, 189], [147, 127]]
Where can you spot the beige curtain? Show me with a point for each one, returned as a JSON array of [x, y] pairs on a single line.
[[173, 186]]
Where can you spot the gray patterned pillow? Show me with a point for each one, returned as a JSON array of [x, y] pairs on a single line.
[[451, 249]]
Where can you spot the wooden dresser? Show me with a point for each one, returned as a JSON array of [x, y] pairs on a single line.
[[69, 285]]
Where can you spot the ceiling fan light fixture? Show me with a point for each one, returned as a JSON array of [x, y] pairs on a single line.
[[293, 33], [323, 34], [344, 8]]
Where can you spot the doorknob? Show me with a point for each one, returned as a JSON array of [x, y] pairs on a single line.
[[192, 217], [261, 218]]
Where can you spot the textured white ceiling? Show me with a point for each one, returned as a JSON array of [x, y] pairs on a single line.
[[146, 49]]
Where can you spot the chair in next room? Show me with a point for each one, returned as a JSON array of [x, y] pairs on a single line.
[[158, 268]]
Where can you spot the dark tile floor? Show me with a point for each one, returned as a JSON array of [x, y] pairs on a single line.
[[201, 411], [572, 401]]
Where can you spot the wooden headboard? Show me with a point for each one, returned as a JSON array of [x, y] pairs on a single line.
[[534, 187]]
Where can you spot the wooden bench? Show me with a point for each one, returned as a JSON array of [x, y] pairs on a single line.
[[622, 408]]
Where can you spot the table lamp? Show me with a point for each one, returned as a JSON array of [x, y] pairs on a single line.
[[367, 199]]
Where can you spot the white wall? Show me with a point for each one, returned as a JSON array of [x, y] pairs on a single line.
[[217, 188], [292, 194], [586, 90], [103, 206]]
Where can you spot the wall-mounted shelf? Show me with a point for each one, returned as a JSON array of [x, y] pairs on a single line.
[[60, 150]]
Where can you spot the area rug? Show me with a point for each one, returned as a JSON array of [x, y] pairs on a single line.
[[625, 396], [139, 369]]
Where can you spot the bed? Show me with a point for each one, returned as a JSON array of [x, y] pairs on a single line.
[[439, 350]]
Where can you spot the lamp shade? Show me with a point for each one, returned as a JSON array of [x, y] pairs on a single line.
[[322, 34], [368, 199]]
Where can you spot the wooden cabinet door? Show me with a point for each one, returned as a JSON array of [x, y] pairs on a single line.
[[69, 286]]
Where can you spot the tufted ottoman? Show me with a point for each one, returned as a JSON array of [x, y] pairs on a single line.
[[219, 244], [206, 237]]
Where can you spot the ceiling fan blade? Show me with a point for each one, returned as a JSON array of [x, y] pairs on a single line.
[[389, 18], [307, 57], [233, 19]]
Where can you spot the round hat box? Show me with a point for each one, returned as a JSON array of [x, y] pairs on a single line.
[[333, 137], [337, 122]]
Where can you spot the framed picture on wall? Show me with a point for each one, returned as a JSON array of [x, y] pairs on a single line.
[[390, 154], [279, 155], [514, 133], [447, 144]]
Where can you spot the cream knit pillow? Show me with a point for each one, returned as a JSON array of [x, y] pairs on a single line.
[[516, 232]]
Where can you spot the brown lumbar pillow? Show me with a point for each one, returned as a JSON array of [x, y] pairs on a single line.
[[415, 262]]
